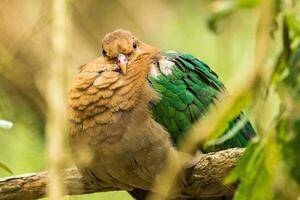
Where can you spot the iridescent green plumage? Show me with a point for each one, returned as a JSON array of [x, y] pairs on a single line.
[[186, 93]]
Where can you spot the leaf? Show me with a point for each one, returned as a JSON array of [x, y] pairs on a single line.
[[239, 171], [5, 168], [239, 103], [254, 173], [290, 152], [224, 8], [293, 23]]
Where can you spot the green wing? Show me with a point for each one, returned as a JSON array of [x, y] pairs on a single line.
[[187, 88]]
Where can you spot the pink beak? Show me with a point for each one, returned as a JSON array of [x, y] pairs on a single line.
[[122, 61]]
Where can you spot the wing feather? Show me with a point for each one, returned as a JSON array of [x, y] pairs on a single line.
[[186, 94]]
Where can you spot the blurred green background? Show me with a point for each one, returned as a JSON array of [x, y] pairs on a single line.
[[25, 54]]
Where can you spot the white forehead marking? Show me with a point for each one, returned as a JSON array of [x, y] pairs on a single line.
[[166, 66]]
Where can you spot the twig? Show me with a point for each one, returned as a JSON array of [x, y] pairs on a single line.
[[203, 178]]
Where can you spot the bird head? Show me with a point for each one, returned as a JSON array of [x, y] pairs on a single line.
[[124, 49], [115, 81]]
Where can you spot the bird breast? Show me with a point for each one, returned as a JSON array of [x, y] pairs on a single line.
[[100, 94]]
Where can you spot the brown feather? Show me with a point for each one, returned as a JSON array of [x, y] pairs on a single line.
[[110, 119]]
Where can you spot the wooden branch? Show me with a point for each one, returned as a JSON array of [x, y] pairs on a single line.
[[204, 178]]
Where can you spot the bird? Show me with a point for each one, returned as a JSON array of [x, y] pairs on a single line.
[[131, 106]]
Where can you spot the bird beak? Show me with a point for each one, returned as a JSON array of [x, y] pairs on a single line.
[[122, 61]]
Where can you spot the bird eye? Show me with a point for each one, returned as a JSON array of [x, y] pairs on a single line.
[[134, 45], [103, 52]]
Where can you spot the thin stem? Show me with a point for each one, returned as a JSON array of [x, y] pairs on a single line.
[[56, 98]]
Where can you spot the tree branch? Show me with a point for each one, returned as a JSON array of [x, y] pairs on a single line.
[[204, 178]]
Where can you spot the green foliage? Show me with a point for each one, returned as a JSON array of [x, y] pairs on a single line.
[[289, 91], [256, 171], [272, 160], [224, 8]]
